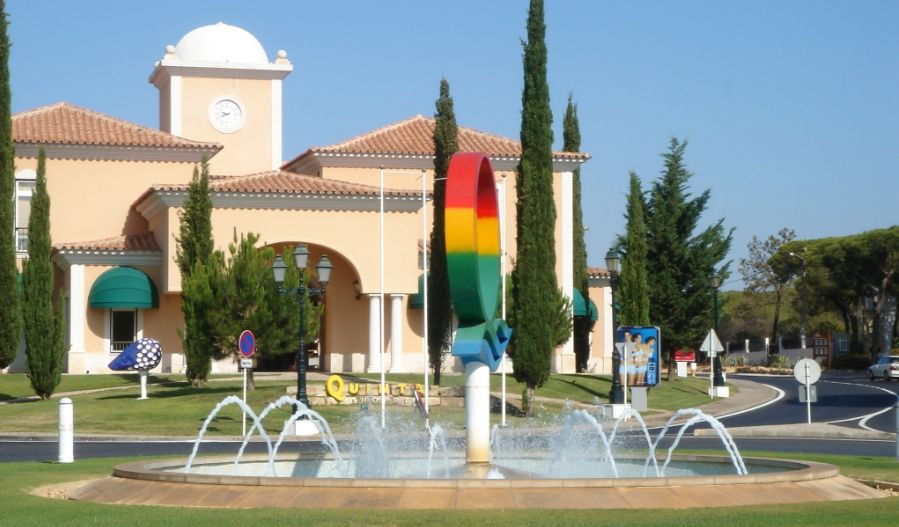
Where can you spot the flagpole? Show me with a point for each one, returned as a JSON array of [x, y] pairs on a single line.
[[381, 305], [502, 273], [424, 238]]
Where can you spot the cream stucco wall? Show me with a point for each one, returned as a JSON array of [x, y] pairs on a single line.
[[91, 200]]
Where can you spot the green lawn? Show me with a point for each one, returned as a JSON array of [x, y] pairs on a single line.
[[21, 509], [176, 408], [16, 385]]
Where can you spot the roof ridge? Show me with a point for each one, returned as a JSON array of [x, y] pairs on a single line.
[[135, 127], [377, 131]]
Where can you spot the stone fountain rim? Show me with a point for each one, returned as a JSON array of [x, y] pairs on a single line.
[[793, 471]]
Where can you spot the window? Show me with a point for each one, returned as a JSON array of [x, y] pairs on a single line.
[[123, 329], [25, 184]]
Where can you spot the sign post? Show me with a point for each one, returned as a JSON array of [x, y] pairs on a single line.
[[712, 346], [247, 344], [807, 372]]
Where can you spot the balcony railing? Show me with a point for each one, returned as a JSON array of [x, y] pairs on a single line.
[[120, 345]]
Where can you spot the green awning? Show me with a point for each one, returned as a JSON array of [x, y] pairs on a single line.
[[580, 307], [123, 287], [417, 301]]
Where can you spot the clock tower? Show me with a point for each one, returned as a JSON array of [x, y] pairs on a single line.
[[217, 85]]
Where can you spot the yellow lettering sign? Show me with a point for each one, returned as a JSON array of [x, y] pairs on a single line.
[[334, 387]]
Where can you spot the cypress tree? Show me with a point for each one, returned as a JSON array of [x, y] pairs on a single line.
[[440, 308], [201, 276], [535, 289], [44, 330], [10, 314], [199, 303], [681, 262], [634, 285], [195, 240], [583, 325]]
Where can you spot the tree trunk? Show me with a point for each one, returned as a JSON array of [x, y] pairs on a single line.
[[775, 327], [251, 382], [527, 400]]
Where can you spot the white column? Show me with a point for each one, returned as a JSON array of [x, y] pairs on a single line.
[[77, 308], [397, 322], [567, 363], [374, 333]]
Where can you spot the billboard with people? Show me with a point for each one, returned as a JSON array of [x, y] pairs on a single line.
[[640, 362]]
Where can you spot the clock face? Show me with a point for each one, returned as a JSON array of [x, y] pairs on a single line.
[[226, 115]]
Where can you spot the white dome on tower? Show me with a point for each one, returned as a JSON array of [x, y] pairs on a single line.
[[221, 43]]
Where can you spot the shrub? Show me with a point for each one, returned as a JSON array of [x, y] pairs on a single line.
[[852, 361], [779, 361]]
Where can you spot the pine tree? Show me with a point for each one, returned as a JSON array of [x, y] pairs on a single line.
[[440, 307], [44, 329], [201, 276], [534, 275], [571, 135], [680, 263], [634, 285], [10, 314]]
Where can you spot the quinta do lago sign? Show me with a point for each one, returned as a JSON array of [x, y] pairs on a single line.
[[338, 389]]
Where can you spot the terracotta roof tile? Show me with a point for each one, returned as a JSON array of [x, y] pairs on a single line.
[[144, 242], [64, 123], [598, 272], [279, 181], [415, 136]]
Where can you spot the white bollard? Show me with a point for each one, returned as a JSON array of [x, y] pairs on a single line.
[[66, 431]]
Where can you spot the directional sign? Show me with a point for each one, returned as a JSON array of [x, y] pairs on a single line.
[[807, 376], [711, 344], [247, 343]]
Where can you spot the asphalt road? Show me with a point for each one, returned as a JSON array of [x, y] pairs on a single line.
[[845, 400]]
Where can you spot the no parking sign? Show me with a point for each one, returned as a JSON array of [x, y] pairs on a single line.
[[247, 343]]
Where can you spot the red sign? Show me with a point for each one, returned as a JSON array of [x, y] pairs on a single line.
[[684, 355]]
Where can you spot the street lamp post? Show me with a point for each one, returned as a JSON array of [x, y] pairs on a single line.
[[803, 302], [718, 379], [301, 292], [613, 264]]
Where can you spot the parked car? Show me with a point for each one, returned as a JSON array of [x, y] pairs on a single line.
[[886, 366]]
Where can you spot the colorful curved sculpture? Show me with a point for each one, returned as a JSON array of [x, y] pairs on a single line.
[[473, 259], [144, 354]]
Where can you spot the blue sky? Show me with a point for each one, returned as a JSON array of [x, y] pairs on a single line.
[[790, 108]]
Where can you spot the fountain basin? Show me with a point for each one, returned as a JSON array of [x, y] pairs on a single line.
[[159, 483]]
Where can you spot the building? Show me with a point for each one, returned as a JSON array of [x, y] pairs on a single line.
[[117, 188]]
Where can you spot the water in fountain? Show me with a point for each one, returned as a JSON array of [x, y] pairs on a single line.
[[302, 412], [579, 447], [231, 399], [699, 416], [437, 433], [565, 460]]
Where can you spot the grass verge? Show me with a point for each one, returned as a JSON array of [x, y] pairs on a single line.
[[176, 408]]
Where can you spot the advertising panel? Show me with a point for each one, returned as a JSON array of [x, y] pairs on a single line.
[[640, 363]]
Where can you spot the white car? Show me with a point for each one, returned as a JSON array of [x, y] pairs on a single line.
[[886, 366]]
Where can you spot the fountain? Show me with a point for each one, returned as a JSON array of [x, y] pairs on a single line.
[[587, 462]]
